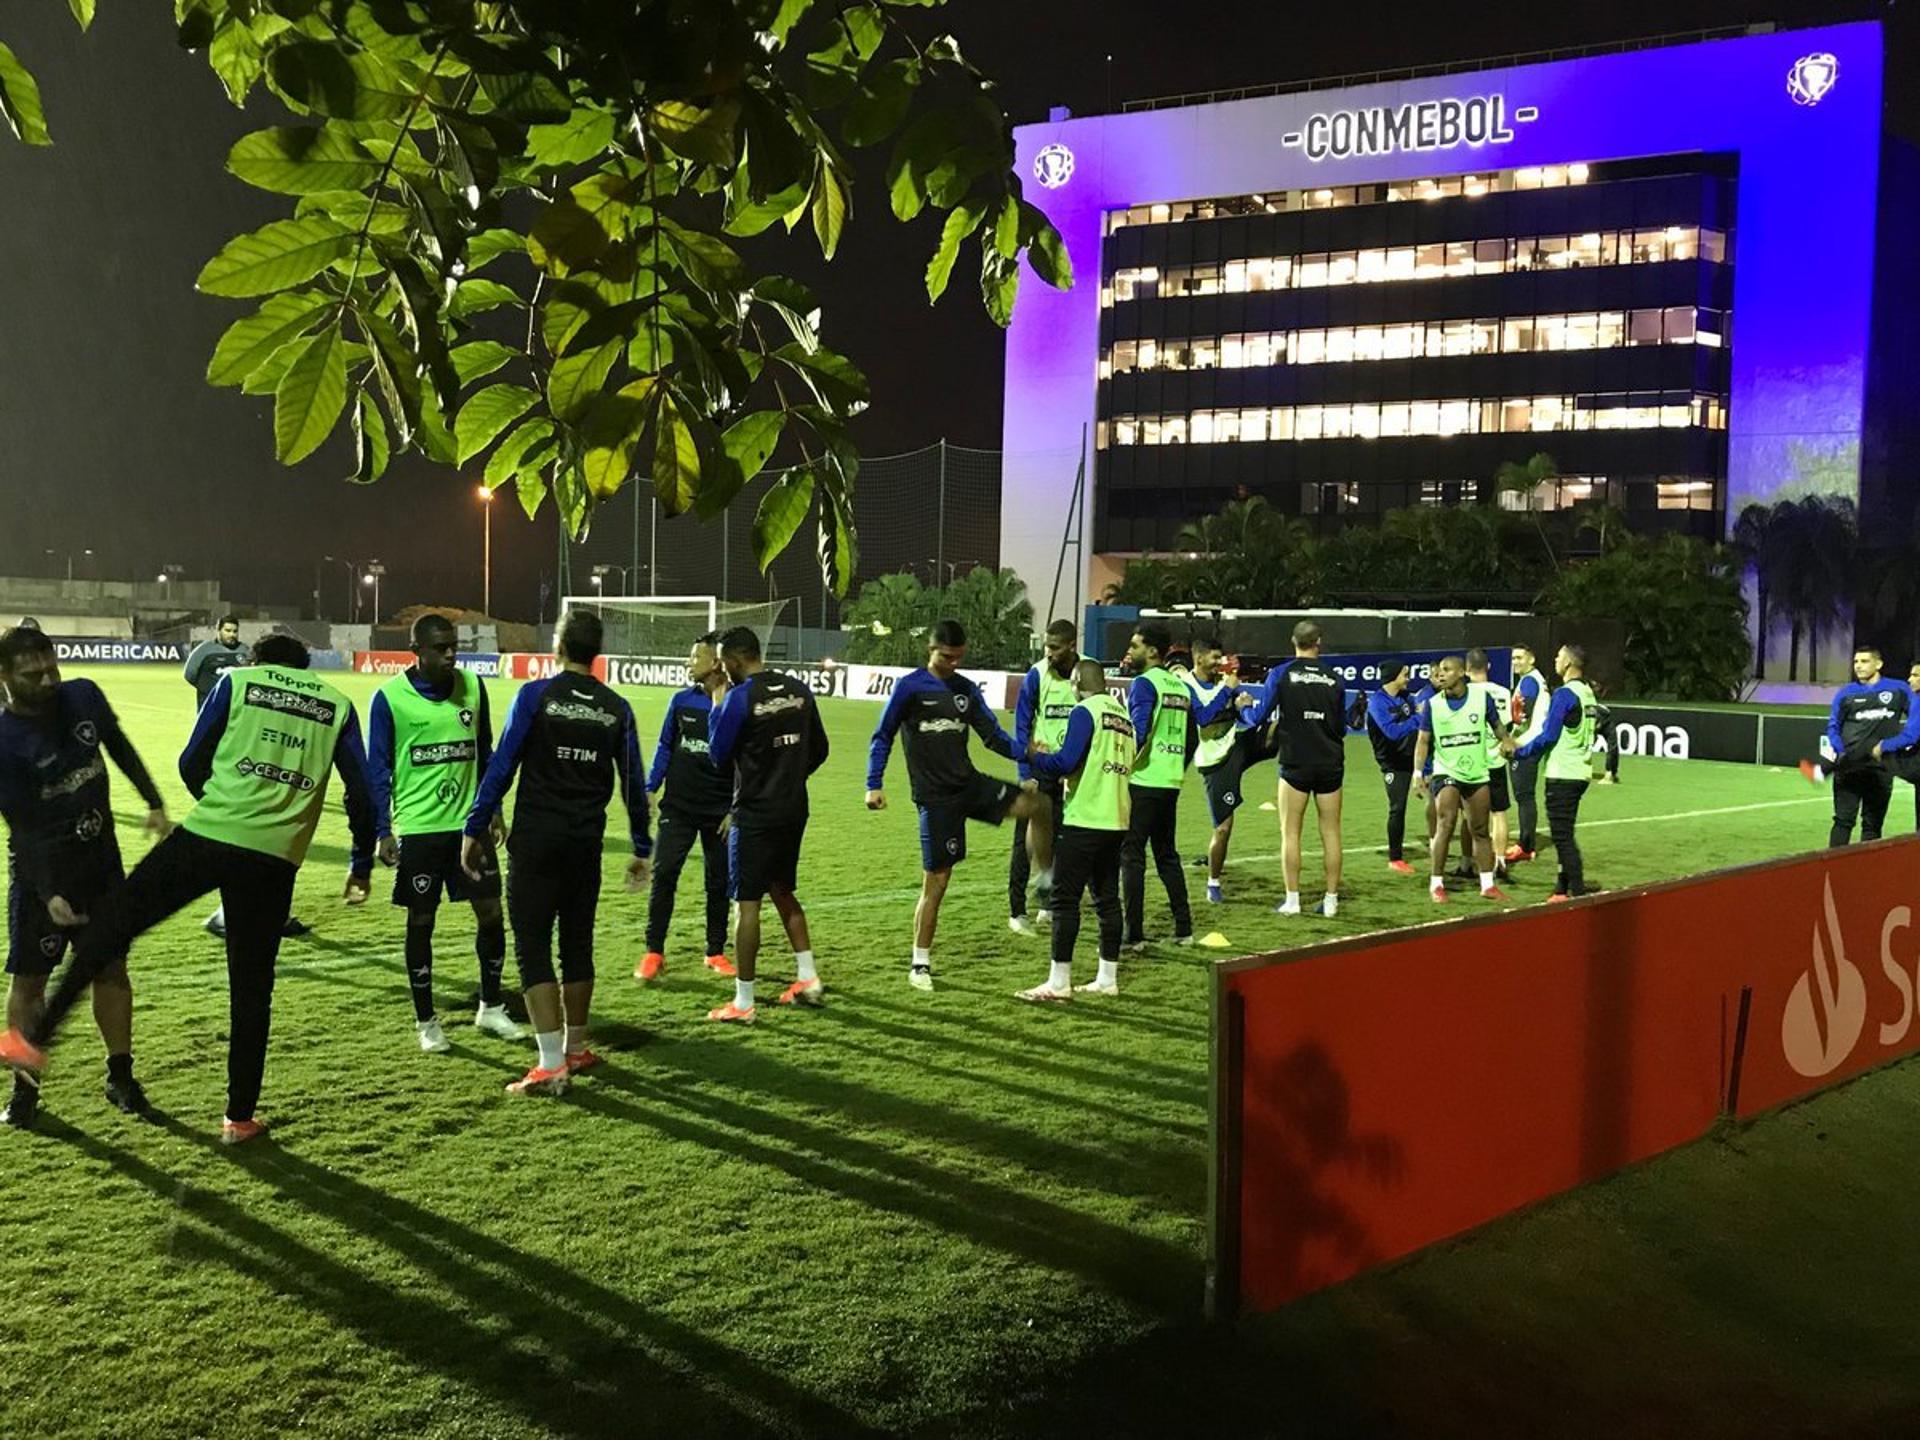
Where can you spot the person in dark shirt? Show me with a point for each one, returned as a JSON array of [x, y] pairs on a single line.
[[938, 707], [1905, 764], [573, 743], [258, 763], [1393, 729], [61, 847], [429, 738], [1313, 758], [213, 658], [1872, 718], [767, 735], [695, 808], [1531, 692], [1223, 751]]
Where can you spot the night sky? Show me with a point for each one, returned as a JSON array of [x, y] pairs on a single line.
[[111, 439]]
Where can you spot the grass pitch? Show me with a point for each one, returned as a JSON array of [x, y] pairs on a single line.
[[906, 1213]]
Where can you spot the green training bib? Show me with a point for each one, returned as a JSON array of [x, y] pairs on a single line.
[[271, 766]]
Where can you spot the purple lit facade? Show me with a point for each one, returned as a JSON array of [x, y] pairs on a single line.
[[1801, 142]]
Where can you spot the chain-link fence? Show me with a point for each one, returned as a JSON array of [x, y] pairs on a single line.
[[934, 512]]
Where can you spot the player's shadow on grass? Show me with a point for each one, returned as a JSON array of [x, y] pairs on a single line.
[[570, 1355], [1135, 1171], [1118, 1077]]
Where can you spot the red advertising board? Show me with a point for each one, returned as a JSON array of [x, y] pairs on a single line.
[[1380, 1094]]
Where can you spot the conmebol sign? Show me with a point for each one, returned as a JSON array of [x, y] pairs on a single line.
[[1390, 129]]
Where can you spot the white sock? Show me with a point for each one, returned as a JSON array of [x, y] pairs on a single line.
[[1293, 898], [923, 957], [552, 1051], [576, 1039], [430, 1020], [1437, 883], [1060, 976], [1486, 880], [803, 965], [1109, 972], [1329, 903], [743, 994]]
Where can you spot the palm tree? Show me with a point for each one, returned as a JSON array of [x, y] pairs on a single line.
[[1525, 479], [1755, 537], [1810, 569], [993, 606], [887, 622]]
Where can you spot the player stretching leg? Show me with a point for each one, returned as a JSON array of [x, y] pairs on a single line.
[[766, 734], [1566, 739], [1223, 753], [937, 706], [54, 794], [695, 808], [1872, 718], [1457, 727], [1046, 699], [572, 740], [429, 738], [1095, 759]]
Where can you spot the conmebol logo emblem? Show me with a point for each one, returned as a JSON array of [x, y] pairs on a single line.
[[1812, 77], [1827, 1007], [1053, 166]]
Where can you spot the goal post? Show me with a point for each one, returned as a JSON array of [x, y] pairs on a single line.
[[664, 627]]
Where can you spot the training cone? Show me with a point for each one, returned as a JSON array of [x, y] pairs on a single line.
[[1268, 805], [1216, 941]]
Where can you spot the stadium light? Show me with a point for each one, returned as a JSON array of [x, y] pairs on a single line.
[[374, 571], [486, 554]]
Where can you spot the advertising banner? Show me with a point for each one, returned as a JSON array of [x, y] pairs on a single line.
[[81, 651], [643, 670], [1377, 1095], [381, 662], [875, 682], [1674, 732]]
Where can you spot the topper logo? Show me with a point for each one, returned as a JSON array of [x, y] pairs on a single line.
[[1827, 1008], [1053, 166], [1812, 77]]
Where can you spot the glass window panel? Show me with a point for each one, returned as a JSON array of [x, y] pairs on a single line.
[[1234, 277], [1339, 346], [1366, 342], [1583, 332], [1400, 342], [1307, 422], [1610, 248], [1402, 264], [1548, 412], [1280, 272], [1280, 423], [1649, 246], [1149, 429], [1456, 417], [1149, 354], [1460, 257], [1516, 415], [1679, 325], [1394, 418], [1126, 355], [1613, 329], [1126, 430], [1343, 267], [1310, 271], [1549, 332], [1366, 421], [1309, 347], [1517, 333], [1676, 417], [1490, 256], [1683, 242], [1423, 417], [1173, 429], [1253, 424], [1370, 266], [1584, 249], [1430, 261], [1260, 275], [1233, 352], [1713, 246], [1554, 251], [1486, 336], [1643, 327], [1206, 354], [1456, 338], [1202, 424], [1336, 422], [1226, 427]]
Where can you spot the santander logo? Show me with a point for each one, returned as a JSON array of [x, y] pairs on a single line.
[[1827, 1008]]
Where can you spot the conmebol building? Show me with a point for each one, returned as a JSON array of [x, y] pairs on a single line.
[[1656, 264]]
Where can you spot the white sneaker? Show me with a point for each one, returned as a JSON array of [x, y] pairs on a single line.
[[1098, 987], [1330, 906], [1288, 907], [1135, 947], [920, 977], [1043, 994], [1043, 916], [433, 1039], [494, 1020], [1186, 939], [1020, 925]]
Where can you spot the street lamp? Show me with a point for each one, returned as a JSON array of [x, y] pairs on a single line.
[[600, 572], [486, 554], [353, 593], [166, 578], [374, 571], [69, 556]]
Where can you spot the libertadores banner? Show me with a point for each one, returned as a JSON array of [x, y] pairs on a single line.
[[1377, 1095]]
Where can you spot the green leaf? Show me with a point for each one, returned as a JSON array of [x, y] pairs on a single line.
[[962, 221], [82, 11], [750, 440], [575, 379], [275, 257], [789, 15], [865, 28], [573, 141], [570, 235], [782, 509], [237, 59], [676, 458], [251, 342], [832, 199], [1047, 253], [327, 81], [474, 297], [310, 396], [435, 441], [527, 95], [794, 304], [353, 209], [839, 549], [750, 217], [701, 134], [397, 370], [490, 245], [532, 490], [20, 100], [610, 433], [370, 446], [708, 260], [836, 380], [196, 24], [999, 283], [881, 104], [1006, 227], [473, 361], [529, 445], [486, 416], [302, 160]]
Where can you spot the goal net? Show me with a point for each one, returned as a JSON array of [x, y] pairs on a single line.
[[664, 627]]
